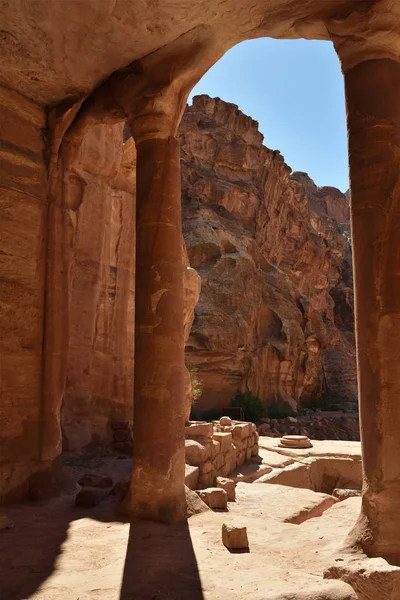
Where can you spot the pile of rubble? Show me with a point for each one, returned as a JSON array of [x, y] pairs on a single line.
[[216, 449], [316, 425]]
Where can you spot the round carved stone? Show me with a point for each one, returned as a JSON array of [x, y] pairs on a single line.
[[295, 441]]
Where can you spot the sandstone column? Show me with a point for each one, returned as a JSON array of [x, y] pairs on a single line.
[[152, 95], [373, 113], [159, 402]]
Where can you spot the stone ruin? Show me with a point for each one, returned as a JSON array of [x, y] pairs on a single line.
[[215, 449]]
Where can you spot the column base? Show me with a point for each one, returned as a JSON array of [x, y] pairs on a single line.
[[161, 508]]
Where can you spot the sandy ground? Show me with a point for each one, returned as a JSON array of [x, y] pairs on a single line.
[[56, 551]]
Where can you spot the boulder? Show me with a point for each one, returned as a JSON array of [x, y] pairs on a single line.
[[225, 421], [196, 453]]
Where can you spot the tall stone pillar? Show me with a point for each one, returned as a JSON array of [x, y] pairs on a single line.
[[373, 113], [157, 487]]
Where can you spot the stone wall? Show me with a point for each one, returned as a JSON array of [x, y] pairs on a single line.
[[216, 449], [23, 218]]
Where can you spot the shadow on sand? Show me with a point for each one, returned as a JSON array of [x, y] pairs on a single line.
[[160, 563]]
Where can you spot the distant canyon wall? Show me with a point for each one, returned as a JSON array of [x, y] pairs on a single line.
[[273, 251]]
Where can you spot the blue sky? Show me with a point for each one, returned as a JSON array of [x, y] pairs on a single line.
[[294, 89]]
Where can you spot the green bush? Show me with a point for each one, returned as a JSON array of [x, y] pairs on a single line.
[[253, 407], [196, 383]]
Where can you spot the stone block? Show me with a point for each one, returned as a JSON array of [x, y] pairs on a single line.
[[95, 481], [238, 443], [192, 476], [228, 485], [225, 439], [254, 450], [225, 469], [241, 431], [207, 479], [248, 453], [194, 504], [234, 536], [218, 461], [214, 497], [206, 467], [196, 452], [215, 449], [197, 428]]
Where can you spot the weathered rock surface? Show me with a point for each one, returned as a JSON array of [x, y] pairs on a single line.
[[100, 186], [273, 253]]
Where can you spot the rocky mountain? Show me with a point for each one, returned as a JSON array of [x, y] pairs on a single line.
[[275, 314]]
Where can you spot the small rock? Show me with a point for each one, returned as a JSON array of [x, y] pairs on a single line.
[[225, 422], [229, 486], [216, 498], [95, 481], [234, 536]]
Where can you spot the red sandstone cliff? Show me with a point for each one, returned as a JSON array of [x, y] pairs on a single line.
[[273, 252]]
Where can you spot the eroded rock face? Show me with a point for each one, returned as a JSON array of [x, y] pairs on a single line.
[[273, 252], [99, 385]]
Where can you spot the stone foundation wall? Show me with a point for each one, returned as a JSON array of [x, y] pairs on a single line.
[[216, 449]]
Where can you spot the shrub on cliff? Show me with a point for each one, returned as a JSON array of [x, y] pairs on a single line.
[[196, 383], [253, 407]]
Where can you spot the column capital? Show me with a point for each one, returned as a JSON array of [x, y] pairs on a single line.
[[367, 34], [152, 92]]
